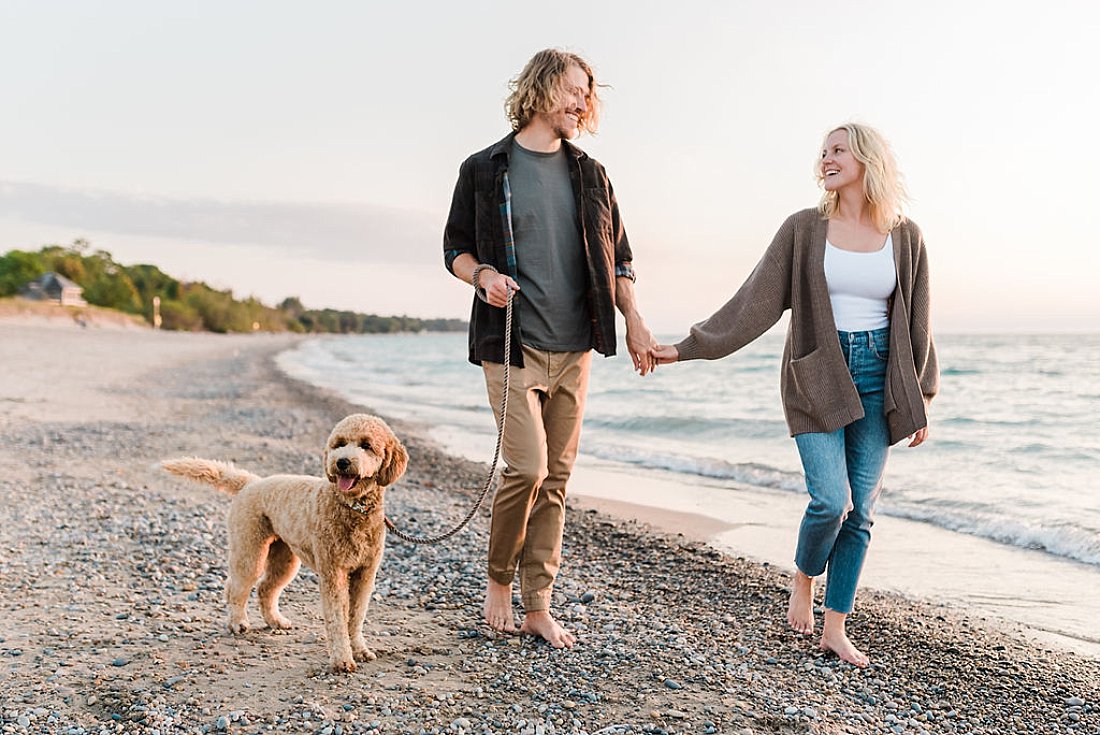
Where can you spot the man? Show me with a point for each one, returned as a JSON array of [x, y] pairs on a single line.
[[535, 215]]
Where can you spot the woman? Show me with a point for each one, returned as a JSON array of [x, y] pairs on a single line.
[[859, 366]]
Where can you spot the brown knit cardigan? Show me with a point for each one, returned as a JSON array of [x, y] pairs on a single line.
[[817, 389]]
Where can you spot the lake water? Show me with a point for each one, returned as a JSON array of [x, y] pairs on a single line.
[[1013, 458]]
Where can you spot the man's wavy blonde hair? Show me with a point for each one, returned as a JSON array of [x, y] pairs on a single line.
[[540, 88], [882, 183]]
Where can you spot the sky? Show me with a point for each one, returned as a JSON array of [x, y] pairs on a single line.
[[292, 149]]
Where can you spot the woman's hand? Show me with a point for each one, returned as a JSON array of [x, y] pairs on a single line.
[[664, 354], [917, 439]]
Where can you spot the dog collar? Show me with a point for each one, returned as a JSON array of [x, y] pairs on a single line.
[[362, 508]]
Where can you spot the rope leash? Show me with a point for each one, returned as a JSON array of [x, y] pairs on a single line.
[[424, 540]]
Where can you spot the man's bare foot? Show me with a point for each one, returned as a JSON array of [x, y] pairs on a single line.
[[542, 624], [498, 607], [835, 639], [800, 610]]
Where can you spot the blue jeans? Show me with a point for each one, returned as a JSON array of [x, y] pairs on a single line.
[[844, 477]]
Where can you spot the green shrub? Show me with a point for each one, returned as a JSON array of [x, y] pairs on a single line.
[[17, 268], [179, 316]]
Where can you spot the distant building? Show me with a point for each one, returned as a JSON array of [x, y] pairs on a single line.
[[54, 287]]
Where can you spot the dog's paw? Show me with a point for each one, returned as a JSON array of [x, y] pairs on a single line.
[[279, 623], [239, 627], [364, 654], [344, 667]]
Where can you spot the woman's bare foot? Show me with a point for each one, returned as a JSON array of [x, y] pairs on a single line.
[[498, 607], [800, 610], [835, 639], [542, 624]]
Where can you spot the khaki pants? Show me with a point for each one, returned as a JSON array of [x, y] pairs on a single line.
[[545, 408]]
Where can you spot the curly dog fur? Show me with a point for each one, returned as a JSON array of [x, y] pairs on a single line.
[[278, 522]]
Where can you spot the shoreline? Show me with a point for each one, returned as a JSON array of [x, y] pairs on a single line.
[[975, 576], [114, 616], [1045, 598]]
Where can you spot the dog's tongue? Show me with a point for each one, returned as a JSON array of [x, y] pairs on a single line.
[[345, 483]]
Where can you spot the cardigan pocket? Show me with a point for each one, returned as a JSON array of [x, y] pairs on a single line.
[[822, 389], [804, 376]]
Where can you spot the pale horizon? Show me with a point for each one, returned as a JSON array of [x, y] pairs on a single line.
[[313, 153]]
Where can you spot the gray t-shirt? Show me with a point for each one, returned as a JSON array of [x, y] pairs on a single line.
[[553, 308]]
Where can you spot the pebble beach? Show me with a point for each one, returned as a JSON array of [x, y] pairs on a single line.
[[112, 573]]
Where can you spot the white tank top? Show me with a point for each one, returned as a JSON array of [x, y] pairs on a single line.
[[860, 285]]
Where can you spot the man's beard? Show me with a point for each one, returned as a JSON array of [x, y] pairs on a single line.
[[565, 130]]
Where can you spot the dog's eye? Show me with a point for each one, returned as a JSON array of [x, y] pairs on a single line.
[[364, 445]]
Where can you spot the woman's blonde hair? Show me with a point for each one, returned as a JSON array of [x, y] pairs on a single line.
[[540, 88], [882, 183]]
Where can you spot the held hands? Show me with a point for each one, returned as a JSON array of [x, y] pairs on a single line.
[[496, 287], [664, 354], [647, 360]]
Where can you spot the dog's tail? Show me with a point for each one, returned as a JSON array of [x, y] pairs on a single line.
[[222, 475]]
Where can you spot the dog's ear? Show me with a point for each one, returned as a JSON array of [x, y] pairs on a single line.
[[324, 465], [393, 466]]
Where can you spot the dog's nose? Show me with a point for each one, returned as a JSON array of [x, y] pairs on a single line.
[[342, 464]]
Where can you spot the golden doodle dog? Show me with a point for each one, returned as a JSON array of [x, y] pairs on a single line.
[[334, 525]]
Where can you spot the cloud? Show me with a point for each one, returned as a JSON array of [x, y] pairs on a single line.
[[362, 233]]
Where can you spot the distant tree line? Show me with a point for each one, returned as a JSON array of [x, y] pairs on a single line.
[[190, 306]]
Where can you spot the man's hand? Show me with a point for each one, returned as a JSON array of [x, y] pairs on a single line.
[[496, 287], [664, 354], [639, 342]]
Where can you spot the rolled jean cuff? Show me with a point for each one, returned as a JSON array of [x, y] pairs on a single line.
[[537, 601], [804, 565]]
